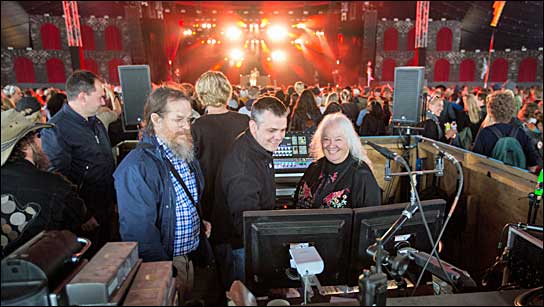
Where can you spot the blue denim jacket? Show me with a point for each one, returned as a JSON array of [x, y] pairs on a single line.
[[146, 200]]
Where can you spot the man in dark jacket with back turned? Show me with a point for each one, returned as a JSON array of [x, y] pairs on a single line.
[[51, 202], [247, 178]]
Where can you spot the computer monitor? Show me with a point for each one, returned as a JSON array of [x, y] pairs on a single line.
[[295, 144], [269, 234], [372, 222]]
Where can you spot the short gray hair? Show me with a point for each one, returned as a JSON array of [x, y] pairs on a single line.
[[267, 103]]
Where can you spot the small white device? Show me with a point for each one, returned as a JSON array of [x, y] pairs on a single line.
[[306, 260]]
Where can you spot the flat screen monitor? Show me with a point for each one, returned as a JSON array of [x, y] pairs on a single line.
[[269, 234], [372, 222], [295, 144]]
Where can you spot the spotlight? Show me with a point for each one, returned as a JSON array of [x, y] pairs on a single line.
[[233, 33], [277, 33], [299, 41], [300, 26], [278, 56], [236, 55]]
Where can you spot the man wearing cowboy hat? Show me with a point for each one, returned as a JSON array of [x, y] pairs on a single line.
[[25, 178]]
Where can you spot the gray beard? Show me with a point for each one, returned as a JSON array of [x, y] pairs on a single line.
[[183, 150]]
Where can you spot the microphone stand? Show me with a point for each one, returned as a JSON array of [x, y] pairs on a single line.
[[534, 200], [375, 250]]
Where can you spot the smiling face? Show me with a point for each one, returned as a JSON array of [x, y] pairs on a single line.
[[270, 131], [335, 145]]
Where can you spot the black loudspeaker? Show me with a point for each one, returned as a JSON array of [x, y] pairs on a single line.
[[369, 38], [136, 86], [407, 100], [136, 42], [153, 33]]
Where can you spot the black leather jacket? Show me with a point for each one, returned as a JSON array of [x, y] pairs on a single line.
[[60, 206]]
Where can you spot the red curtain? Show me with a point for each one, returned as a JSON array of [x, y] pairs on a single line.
[[87, 36], [112, 68], [499, 70], [91, 65], [24, 70], [388, 70], [467, 71], [113, 38], [442, 70], [391, 40], [50, 37], [55, 71], [412, 39], [527, 70], [444, 39]]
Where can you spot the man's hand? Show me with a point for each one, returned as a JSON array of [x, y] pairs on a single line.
[[207, 228], [90, 225]]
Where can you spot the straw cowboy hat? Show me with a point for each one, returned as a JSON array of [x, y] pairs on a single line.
[[15, 126]]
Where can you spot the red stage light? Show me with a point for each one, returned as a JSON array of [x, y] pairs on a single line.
[[180, 23]]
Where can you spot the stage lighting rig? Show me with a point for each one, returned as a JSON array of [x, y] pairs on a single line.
[[277, 33]]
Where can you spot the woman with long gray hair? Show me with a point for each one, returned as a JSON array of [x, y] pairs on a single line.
[[341, 175]]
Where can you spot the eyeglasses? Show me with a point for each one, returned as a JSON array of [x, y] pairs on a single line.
[[182, 121]]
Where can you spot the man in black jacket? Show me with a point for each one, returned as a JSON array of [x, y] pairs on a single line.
[[79, 148], [247, 177], [46, 201]]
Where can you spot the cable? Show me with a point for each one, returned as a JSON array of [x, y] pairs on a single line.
[[450, 214], [305, 277], [430, 236]]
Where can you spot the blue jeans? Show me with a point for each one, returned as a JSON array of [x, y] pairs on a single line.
[[239, 263]]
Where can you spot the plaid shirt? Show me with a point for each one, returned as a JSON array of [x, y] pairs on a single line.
[[187, 222]]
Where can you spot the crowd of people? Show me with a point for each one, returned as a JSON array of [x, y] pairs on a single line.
[[205, 157]]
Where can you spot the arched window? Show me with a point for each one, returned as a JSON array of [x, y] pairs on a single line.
[[499, 70], [112, 68], [91, 65], [55, 71], [50, 35], [24, 70], [467, 70], [412, 39], [527, 70], [87, 37], [442, 70], [391, 40], [388, 70], [444, 39], [113, 38]]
